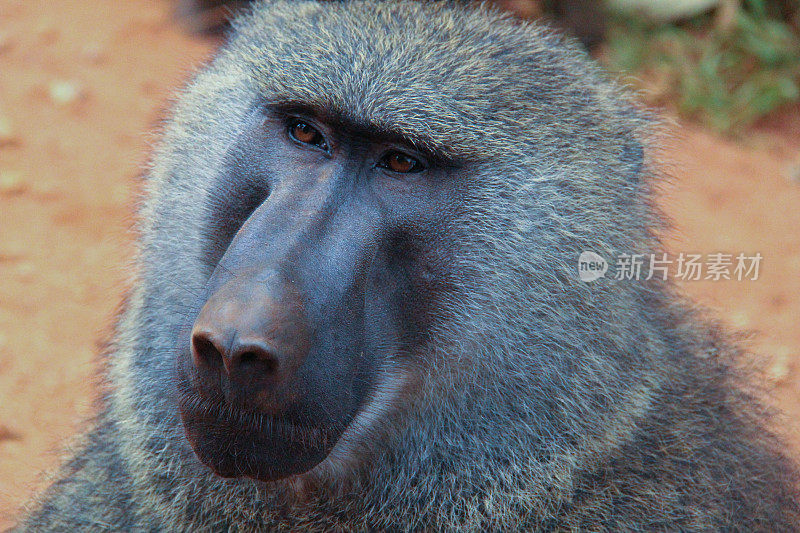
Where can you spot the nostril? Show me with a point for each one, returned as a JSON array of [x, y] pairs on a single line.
[[242, 358], [205, 354], [256, 359]]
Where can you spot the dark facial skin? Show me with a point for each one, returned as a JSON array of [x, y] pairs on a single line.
[[327, 245]]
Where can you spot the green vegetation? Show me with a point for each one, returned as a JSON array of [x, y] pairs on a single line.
[[724, 73]]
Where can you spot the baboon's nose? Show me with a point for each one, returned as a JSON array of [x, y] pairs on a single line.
[[236, 357], [250, 337]]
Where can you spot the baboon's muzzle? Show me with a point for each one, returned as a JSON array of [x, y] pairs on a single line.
[[275, 367]]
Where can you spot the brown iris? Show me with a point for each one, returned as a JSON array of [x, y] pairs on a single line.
[[305, 133], [401, 163]]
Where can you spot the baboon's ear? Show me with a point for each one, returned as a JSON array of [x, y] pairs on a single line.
[[632, 160]]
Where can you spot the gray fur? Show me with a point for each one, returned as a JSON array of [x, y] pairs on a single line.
[[541, 402]]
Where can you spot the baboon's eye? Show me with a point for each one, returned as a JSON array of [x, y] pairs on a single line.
[[401, 163], [302, 131]]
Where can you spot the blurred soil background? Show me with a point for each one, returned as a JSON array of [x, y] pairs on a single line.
[[83, 84]]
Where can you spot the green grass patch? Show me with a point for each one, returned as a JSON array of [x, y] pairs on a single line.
[[726, 77]]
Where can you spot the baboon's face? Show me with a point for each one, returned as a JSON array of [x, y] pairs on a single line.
[[327, 245]]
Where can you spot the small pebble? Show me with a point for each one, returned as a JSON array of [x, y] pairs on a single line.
[[64, 92], [781, 363], [7, 135], [740, 319], [11, 182]]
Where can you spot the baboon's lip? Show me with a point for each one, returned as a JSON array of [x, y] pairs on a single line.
[[233, 443]]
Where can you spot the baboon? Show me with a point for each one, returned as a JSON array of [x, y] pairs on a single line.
[[358, 305]]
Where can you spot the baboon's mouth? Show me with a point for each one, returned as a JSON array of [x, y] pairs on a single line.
[[235, 443]]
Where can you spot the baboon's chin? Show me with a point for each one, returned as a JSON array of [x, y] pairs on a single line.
[[266, 459], [260, 447]]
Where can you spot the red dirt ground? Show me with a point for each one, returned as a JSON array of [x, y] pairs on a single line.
[[80, 85]]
